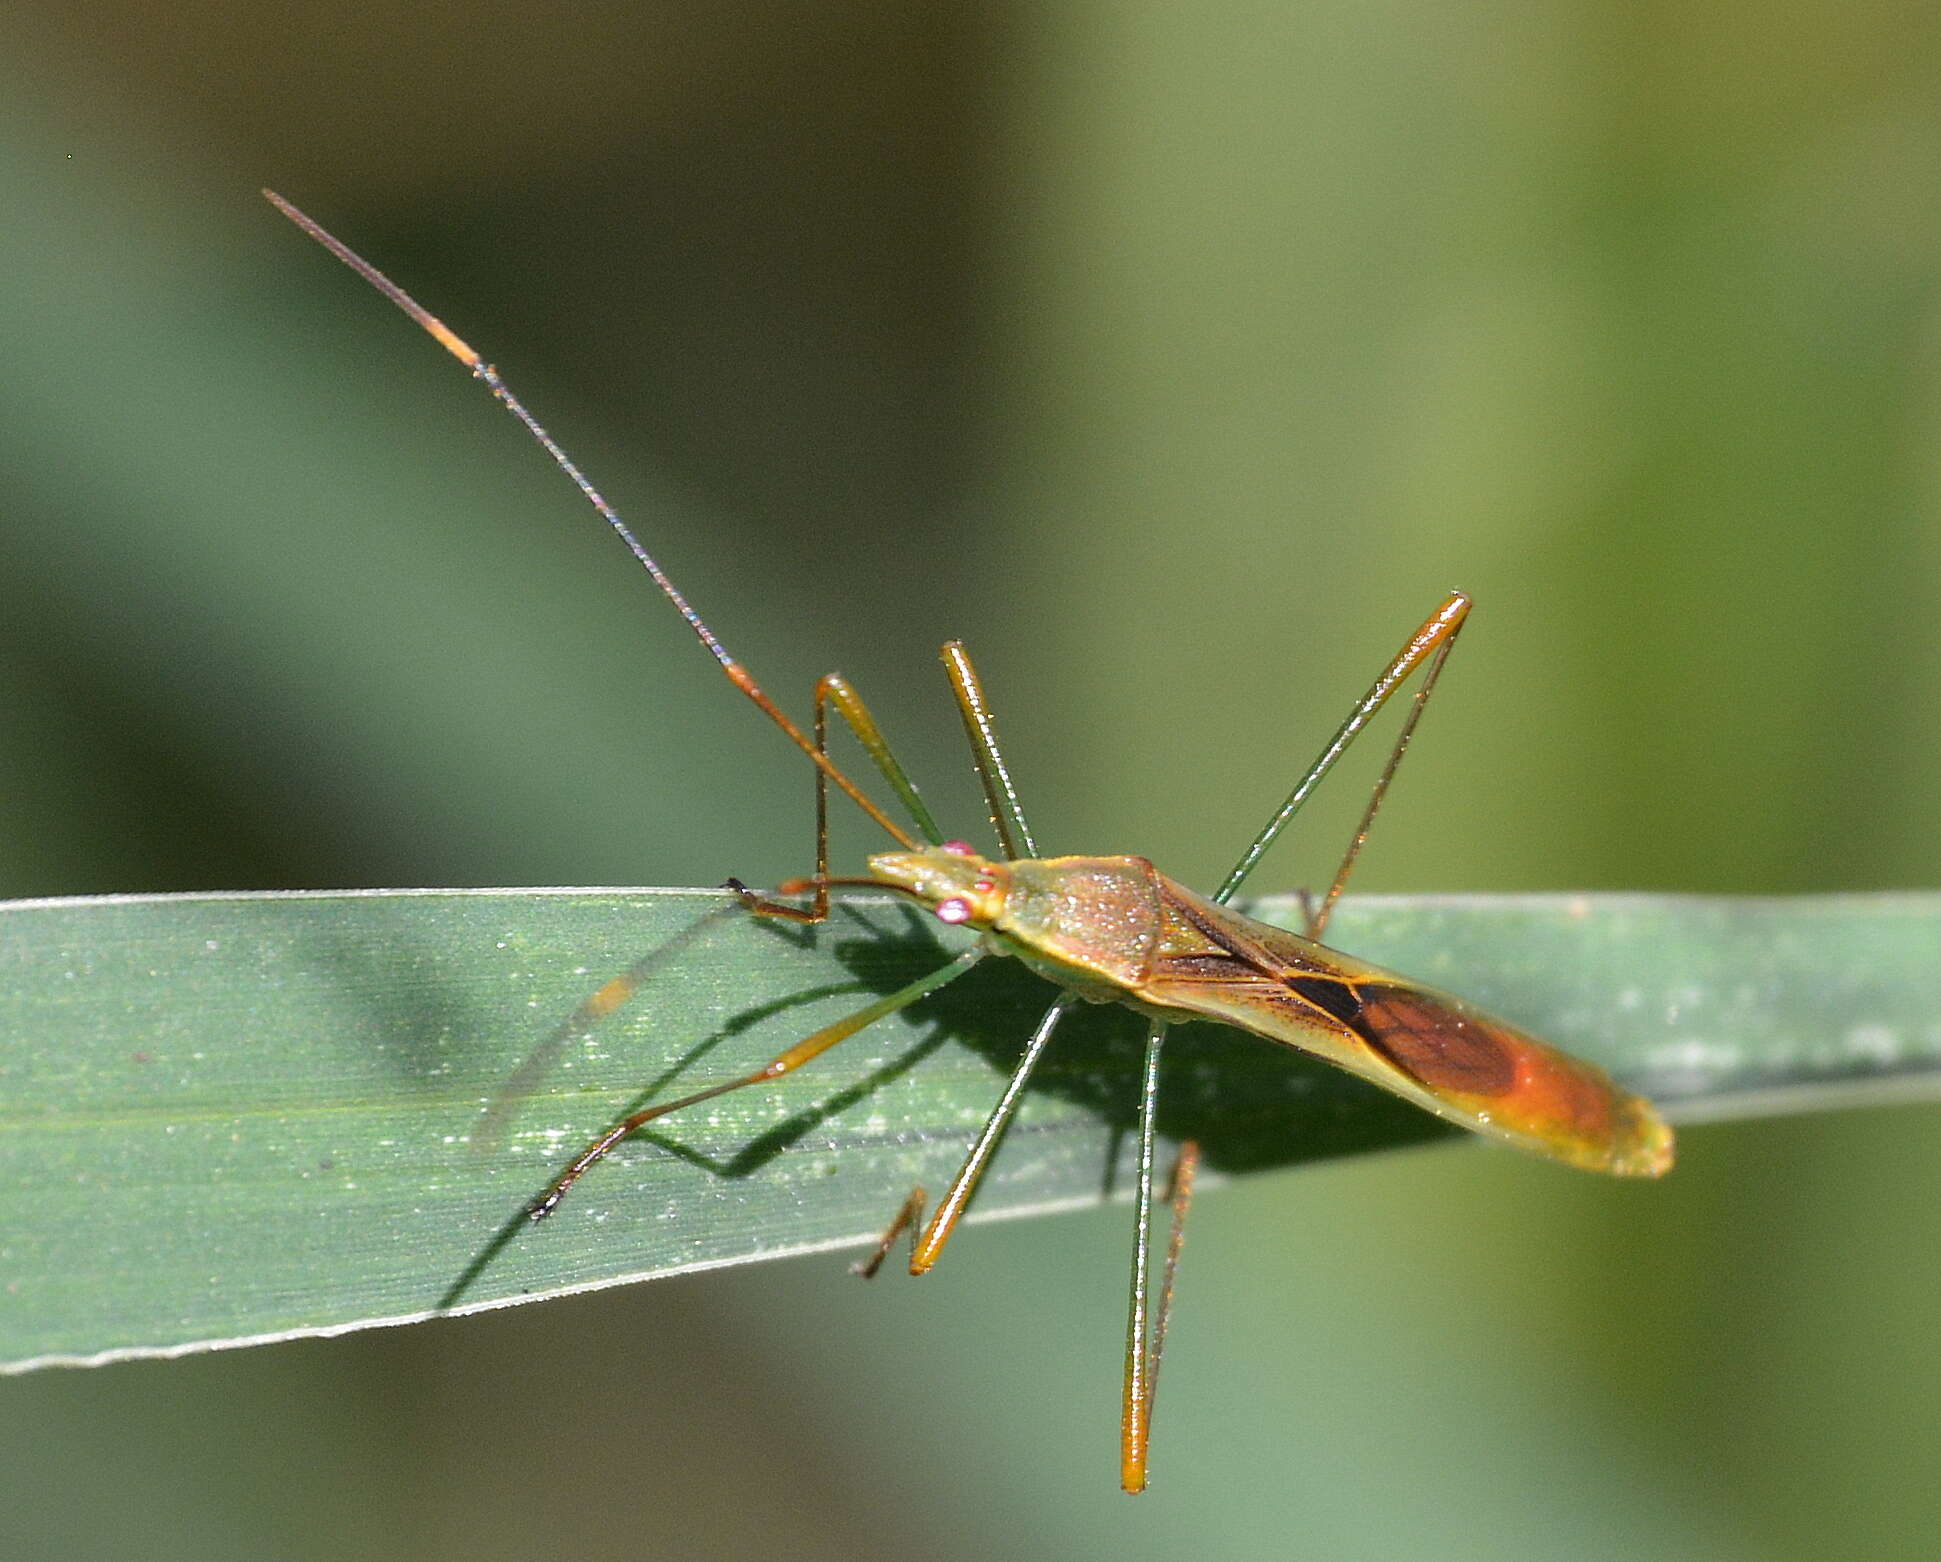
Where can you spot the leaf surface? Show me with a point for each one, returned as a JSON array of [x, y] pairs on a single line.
[[230, 1118]]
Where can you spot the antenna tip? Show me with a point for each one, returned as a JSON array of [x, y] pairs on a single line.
[[439, 332]]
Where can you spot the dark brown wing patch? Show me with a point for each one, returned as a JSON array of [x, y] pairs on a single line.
[[1336, 998], [1440, 1046]]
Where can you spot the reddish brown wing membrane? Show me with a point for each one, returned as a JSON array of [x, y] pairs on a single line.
[[1492, 1077], [1443, 1050]]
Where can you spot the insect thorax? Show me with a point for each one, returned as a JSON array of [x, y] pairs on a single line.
[[1089, 923]]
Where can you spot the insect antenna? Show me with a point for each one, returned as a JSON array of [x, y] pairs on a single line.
[[460, 349]]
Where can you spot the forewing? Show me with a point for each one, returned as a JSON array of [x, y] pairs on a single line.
[[1435, 1050]]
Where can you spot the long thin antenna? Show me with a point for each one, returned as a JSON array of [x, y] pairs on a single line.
[[457, 346]]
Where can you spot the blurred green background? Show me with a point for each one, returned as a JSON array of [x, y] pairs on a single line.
[[1179, 358]]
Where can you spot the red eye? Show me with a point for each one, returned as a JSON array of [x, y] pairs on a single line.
[[957, 848], [953, 910]]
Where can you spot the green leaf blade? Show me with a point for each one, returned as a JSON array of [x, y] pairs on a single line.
[[236, 1118]]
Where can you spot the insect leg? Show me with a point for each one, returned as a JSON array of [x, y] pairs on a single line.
[[1179, 1195], [1000, 796], [928, 1247], [1429, 644], [831, 689], [809, 1048], [1142, 1347], [1014, 834], [908, 1215], [834, 689], [1317, 920]]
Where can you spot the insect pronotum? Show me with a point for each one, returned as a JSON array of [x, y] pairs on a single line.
[[1117, 930]]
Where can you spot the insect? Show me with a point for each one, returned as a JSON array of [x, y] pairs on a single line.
[[1117, 930]]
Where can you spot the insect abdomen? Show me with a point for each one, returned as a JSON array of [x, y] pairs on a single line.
[[1510, 1085], [1457, 1062]]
